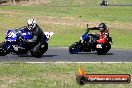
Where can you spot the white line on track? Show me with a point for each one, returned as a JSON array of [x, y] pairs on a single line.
[[75, 62]]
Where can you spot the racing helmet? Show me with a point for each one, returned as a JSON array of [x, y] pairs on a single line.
[[102, 27], [31, 24]]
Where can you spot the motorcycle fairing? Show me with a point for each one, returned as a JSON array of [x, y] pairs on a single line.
[[85, 37]]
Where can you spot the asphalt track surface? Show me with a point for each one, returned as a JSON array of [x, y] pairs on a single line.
[[58, 54], [62, 54]]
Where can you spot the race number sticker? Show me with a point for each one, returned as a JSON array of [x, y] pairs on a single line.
[[98, 46]]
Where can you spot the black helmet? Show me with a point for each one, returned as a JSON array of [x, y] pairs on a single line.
[[102, 27]]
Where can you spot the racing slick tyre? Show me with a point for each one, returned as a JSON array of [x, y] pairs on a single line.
[[39, 50], [81, 80], [74, 48], [108, 47], [101, 52], [3, 52], [104, 50]]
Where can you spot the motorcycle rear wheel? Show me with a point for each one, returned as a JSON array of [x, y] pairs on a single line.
[[104, 50], [39, 50]]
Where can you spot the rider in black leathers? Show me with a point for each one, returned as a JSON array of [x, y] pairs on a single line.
[[37, 32]]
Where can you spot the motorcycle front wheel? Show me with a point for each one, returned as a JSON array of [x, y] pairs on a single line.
[[74, 48], [3, 52]]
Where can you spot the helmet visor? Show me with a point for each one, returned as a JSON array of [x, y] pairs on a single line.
[[101, 29], [30, 26]]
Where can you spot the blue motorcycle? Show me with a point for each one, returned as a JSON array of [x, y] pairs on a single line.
[[15, 43], [87, 43]]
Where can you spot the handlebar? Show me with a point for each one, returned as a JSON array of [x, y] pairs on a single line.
[[87, 26], [94, 28], [87, 29]]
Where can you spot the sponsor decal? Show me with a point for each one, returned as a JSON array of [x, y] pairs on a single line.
[[83, 78]]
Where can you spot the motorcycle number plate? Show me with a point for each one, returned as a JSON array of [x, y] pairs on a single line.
[[98, 46]]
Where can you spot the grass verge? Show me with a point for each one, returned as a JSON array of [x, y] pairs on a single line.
[[21, 75], [68, 22]]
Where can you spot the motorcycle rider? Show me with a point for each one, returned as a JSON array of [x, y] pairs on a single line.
[[37, 32], [104, 33]]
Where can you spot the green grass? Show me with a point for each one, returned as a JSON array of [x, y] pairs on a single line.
[[67, 31], [120, 1], [87, 13], [56, 75], [121, 38], [21, 75], [65, 34]]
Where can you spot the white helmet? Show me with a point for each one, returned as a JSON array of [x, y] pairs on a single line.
[[31, 23]]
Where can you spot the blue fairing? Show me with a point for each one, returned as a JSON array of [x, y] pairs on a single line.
[[11, 36], [26, 34], [9, 31], [85, 36]]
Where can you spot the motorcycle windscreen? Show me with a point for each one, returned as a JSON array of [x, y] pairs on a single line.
[[85, 36]]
